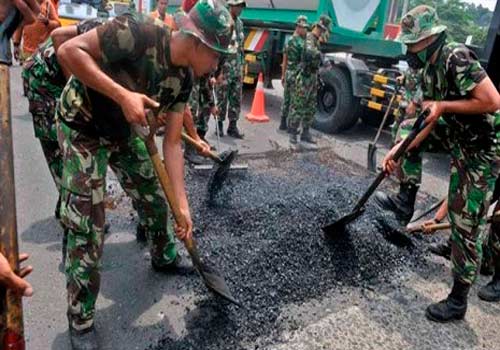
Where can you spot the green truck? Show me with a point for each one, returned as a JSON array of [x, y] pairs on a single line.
[[362, 41]]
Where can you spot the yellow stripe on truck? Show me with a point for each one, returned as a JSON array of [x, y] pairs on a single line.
[[375, 105], [248, 40], [377, 92], [380, 79]]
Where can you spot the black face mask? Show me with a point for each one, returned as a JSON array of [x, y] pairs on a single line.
[[418, 60]]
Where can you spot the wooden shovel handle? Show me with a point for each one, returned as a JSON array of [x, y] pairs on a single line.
[[165, 180], [446, 225], [196, 145]]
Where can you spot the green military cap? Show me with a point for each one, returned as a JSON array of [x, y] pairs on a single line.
[[209, 21], [419, 24], [236, 3], [302, 21], [325, 22]]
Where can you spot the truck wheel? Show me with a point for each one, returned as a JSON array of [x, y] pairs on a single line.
[[338, 109]]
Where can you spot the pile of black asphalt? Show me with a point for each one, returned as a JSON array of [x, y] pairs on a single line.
[[263, 232]]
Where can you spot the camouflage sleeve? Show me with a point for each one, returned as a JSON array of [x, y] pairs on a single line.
[[182, 98], [413, 87], [464, 69], [125, 38], [312, 54], [89, 24]]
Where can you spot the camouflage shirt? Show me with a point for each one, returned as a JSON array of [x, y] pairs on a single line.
[[135, 52], [293, 50], [452, 77], [311, 54], [238, 41], [44, 81]]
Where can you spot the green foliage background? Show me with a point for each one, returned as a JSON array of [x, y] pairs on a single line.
[[461, 18]]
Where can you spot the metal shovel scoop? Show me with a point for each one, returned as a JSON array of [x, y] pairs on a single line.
[[223, 160], [371, 163], [340, 225], [210, 275]]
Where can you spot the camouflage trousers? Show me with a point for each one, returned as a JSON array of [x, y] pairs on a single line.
[[229, 94], [289, 90], [304, 102], [82, 211], [200, 109], [472, 183]]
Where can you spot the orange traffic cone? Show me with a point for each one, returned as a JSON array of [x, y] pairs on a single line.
[[258, 112]]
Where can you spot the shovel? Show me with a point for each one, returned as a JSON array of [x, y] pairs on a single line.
[[339, 226], [372, 147], [420, 214], [210, 276], [445, 225]]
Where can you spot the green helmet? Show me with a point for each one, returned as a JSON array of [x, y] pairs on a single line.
[[325, 22], [302, 21], [209, 21], [419, 24], [236, 3]]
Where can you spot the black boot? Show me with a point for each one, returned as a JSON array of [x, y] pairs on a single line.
[[140, 233], [283, 125], [57, 211], [233, 131], [402, 204], [83, 340], [191, 155], [491, 291], [452, 308], [180, 266], [441, 249], [307, 137]]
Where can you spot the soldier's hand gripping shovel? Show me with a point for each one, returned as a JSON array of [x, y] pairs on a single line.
[[210, 276], [339, 226]]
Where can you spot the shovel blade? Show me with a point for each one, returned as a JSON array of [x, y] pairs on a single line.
[[216, 283], [220, 175], [339, 226], [371, 162]]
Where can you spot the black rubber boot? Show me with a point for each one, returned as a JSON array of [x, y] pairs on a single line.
[[180, 266], [140, 234], [441, 249], [402, 204], [491, 291], [57, 211], [192, 156], [83, 340], [307, 137], [452, 308], [233, 131], [283, 125]]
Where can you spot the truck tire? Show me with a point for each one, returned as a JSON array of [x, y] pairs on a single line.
[[338, 109]]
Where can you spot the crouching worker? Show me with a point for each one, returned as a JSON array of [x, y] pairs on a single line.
[[456, 88]]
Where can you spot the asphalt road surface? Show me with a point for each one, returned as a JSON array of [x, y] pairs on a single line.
[[378, 304]]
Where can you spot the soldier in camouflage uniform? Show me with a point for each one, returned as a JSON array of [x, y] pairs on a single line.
[[304, 101], [465, 118], [43, 82], [291, 63], [124, 67], [229, 93]]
